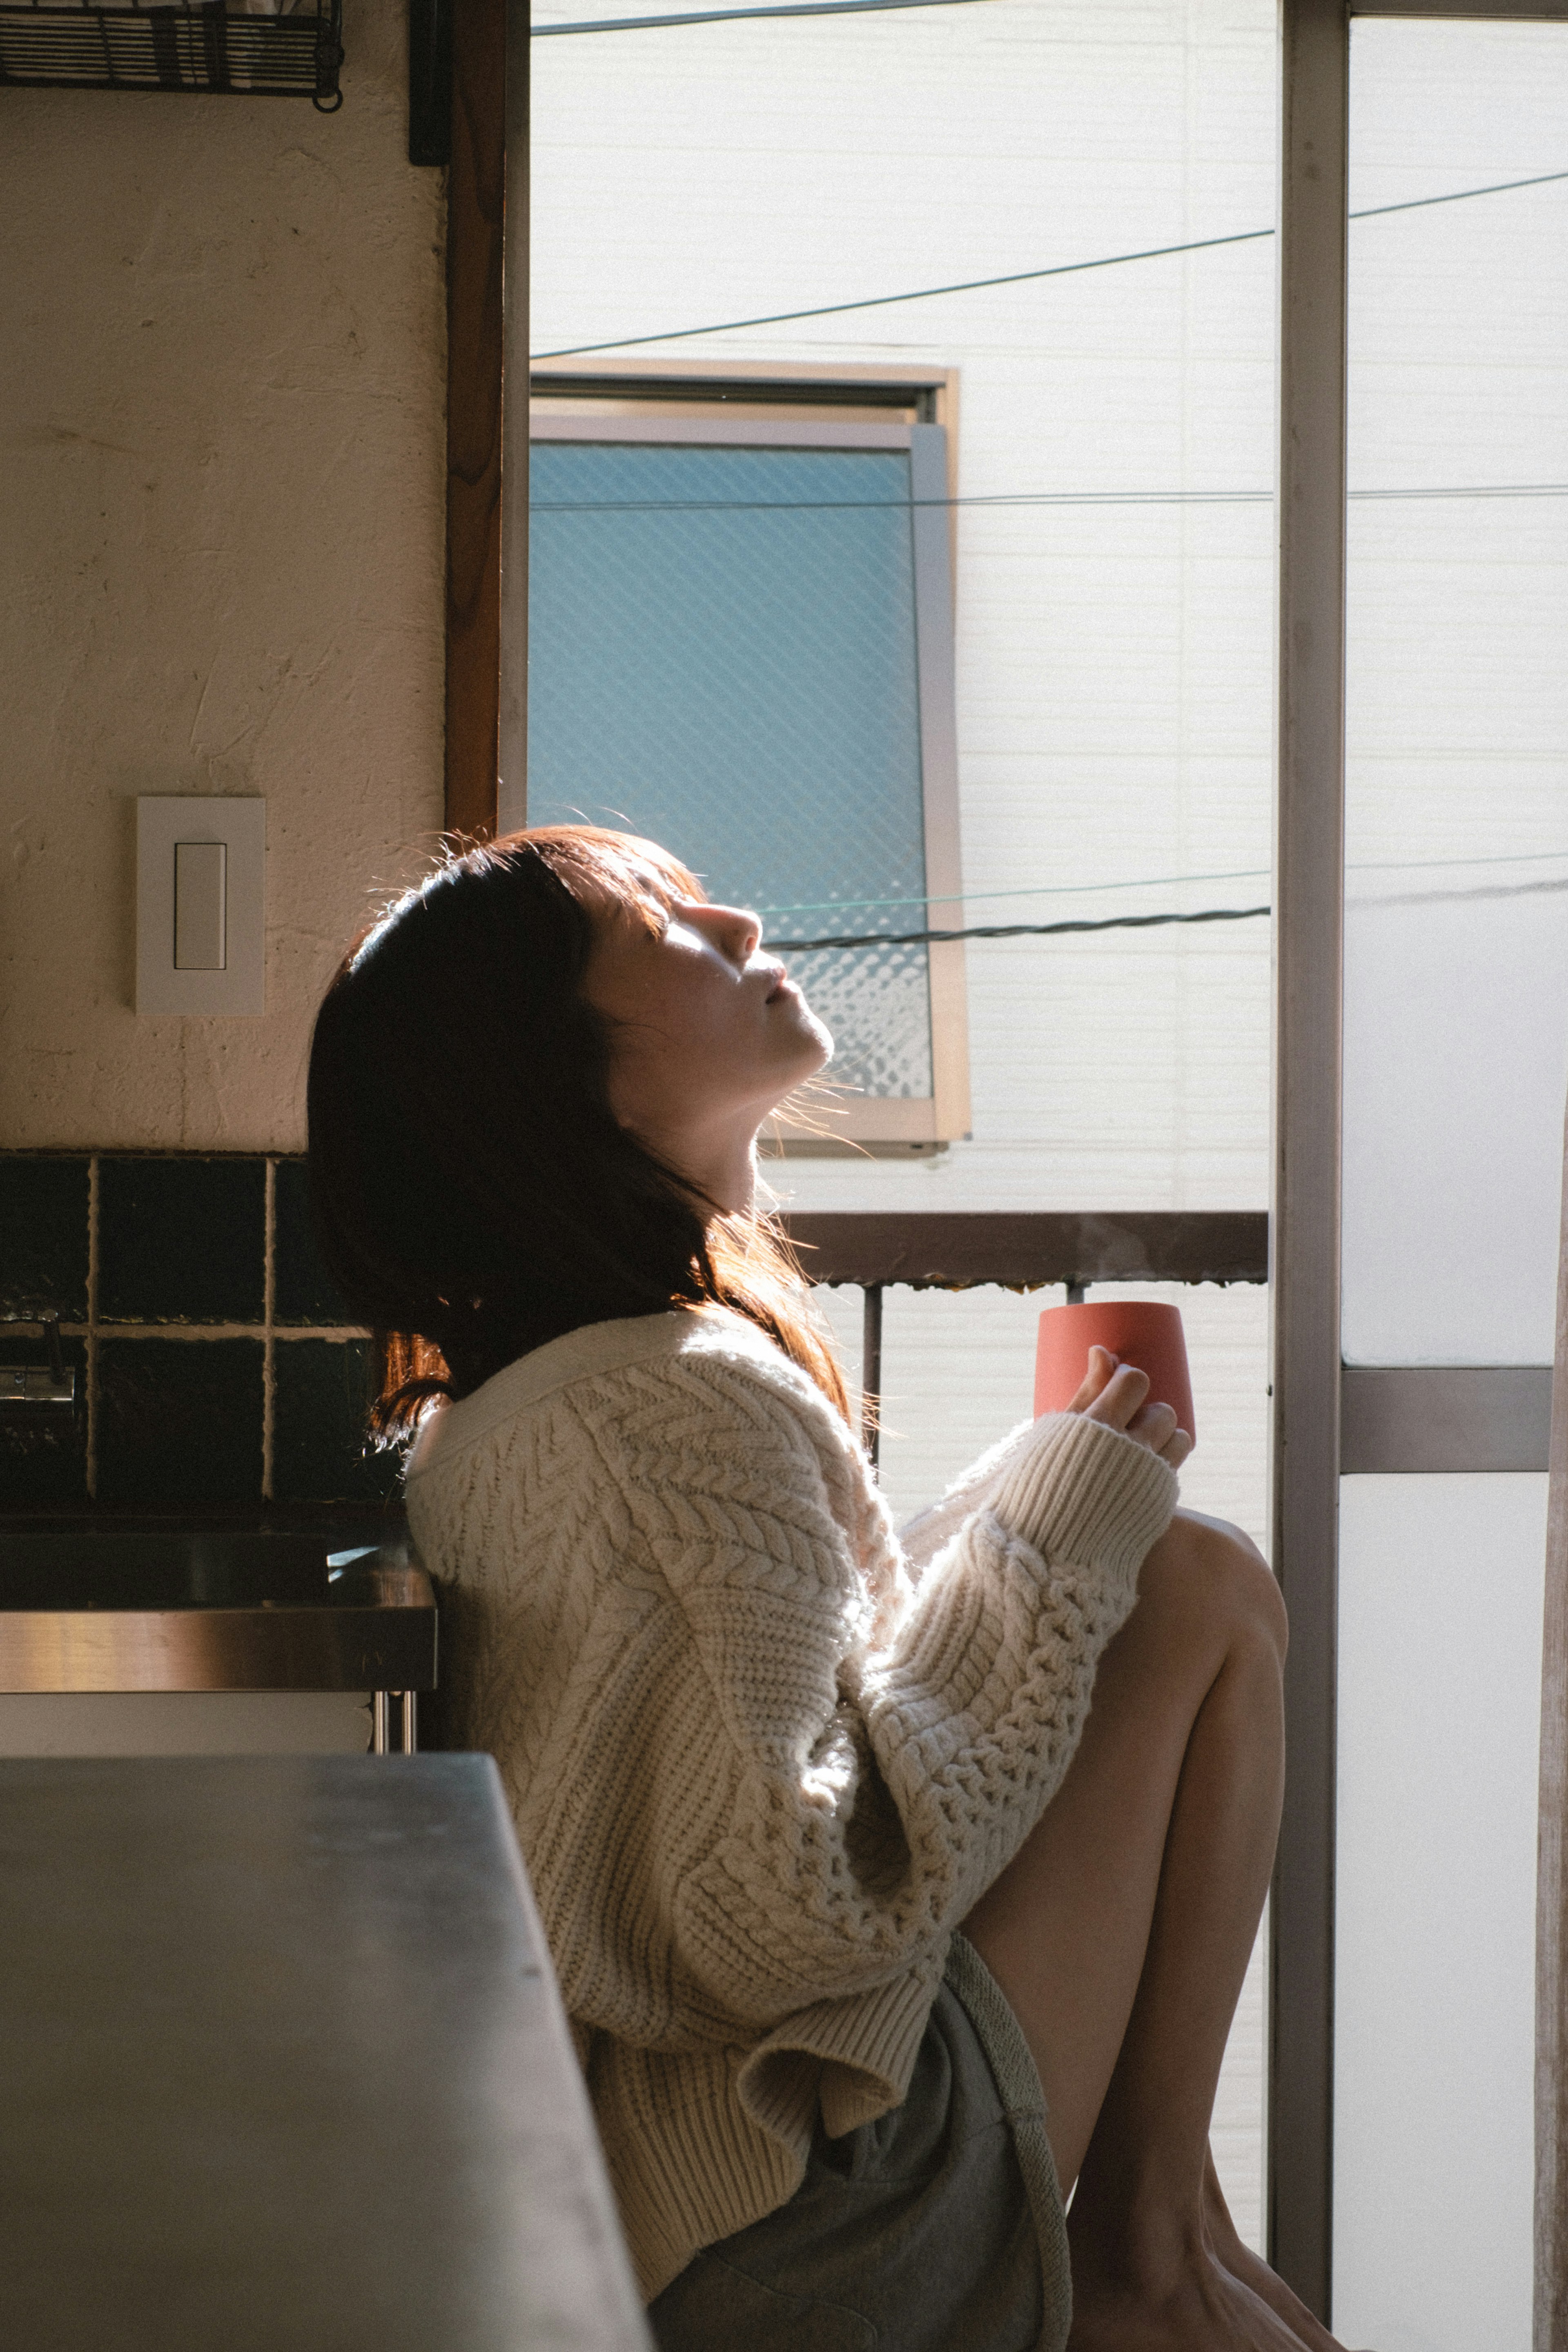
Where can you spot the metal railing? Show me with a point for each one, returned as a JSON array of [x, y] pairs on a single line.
[[1018, 1250]]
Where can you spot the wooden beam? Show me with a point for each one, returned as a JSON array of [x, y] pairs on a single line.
[[475, 223]]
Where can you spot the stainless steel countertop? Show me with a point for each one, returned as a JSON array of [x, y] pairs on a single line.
[[220, 1609], [283, 2068]]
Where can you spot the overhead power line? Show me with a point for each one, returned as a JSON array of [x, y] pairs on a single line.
[[1019, 930], [1155, 922], [920, 294], [1025, 277], [727, 15], [907, 505], [1552, 886], [1165, 882], [1018, 499]]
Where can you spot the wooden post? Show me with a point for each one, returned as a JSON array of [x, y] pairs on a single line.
[[511, 812], [1305, 1224], [475, 227]]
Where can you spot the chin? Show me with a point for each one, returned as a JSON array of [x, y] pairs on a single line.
[[801, 1043], [822, 1040]]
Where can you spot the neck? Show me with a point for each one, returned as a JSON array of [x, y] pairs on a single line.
[[722, 1168]]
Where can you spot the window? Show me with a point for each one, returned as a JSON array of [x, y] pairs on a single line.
[[741, 644]]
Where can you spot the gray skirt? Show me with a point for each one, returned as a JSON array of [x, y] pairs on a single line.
[[939, 2228]]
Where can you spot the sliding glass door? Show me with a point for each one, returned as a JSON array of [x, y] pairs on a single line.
[[1456, 1060]]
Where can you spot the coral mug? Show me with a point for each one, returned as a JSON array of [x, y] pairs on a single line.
[[1139, 1330]]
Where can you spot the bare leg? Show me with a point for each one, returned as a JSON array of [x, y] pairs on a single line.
[[1121, 1933]]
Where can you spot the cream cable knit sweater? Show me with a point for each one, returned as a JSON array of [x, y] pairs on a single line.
[[762, 1758]]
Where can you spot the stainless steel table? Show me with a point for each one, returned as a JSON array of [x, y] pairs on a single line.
[[283, 2068], [96, 1605]]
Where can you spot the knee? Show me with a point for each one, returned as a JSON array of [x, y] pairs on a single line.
[[1209, 1567]]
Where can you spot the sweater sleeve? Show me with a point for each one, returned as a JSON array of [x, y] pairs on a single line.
[[924, 1535], [866, 1797]]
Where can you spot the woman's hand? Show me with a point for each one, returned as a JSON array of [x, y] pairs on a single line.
[[1115, 1393]]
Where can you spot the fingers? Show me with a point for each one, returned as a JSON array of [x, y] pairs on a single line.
[[1120, 1397], [1117, 1395], [1156, 1427], [1102, 1365]]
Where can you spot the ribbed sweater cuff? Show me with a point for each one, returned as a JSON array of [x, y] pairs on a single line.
[[1087, 1493], [868, 2041]]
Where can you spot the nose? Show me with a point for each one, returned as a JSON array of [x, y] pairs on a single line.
[[735, 930]]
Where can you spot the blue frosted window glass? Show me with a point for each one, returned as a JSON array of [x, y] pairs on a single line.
[[721, 656]]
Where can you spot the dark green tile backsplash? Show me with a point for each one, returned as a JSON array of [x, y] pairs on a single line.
[[182, 1240], [44, 1236], [321, 1396], [43, 1456], [190, 1391], [304, 1291], [180, 1420]]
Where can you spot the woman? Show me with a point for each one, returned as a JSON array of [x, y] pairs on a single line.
[[874, 1939]]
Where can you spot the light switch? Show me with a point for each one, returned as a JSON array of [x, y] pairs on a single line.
[[201, 888], [201, 910]]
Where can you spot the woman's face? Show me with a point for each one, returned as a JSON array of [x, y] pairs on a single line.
[[708, 1036]]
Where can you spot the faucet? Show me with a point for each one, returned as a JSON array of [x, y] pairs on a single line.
[[41, 1388]]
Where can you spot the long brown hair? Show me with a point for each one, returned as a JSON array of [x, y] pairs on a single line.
[[473, 1195]]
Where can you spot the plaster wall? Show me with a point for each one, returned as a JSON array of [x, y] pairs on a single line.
[[222, 399]]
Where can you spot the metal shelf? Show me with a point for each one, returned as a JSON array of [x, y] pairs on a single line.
[[292, 51]]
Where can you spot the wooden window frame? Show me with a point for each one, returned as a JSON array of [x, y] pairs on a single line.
[[1320, 1416], [487, 254]]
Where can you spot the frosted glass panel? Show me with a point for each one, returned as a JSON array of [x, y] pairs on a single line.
[[722, 656], [1439, 1710], [1456, 933], [1456, 1062]]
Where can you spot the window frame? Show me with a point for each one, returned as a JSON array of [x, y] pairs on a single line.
[[1323, 1422], [805, 407], [1305, 1367]]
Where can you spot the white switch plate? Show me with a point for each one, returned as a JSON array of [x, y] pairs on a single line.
[[201, 906], [164, 824]]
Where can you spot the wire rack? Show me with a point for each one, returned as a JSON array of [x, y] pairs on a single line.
[[273, 48]]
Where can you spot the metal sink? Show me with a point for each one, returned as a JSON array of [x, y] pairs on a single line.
[[89, 1607]]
